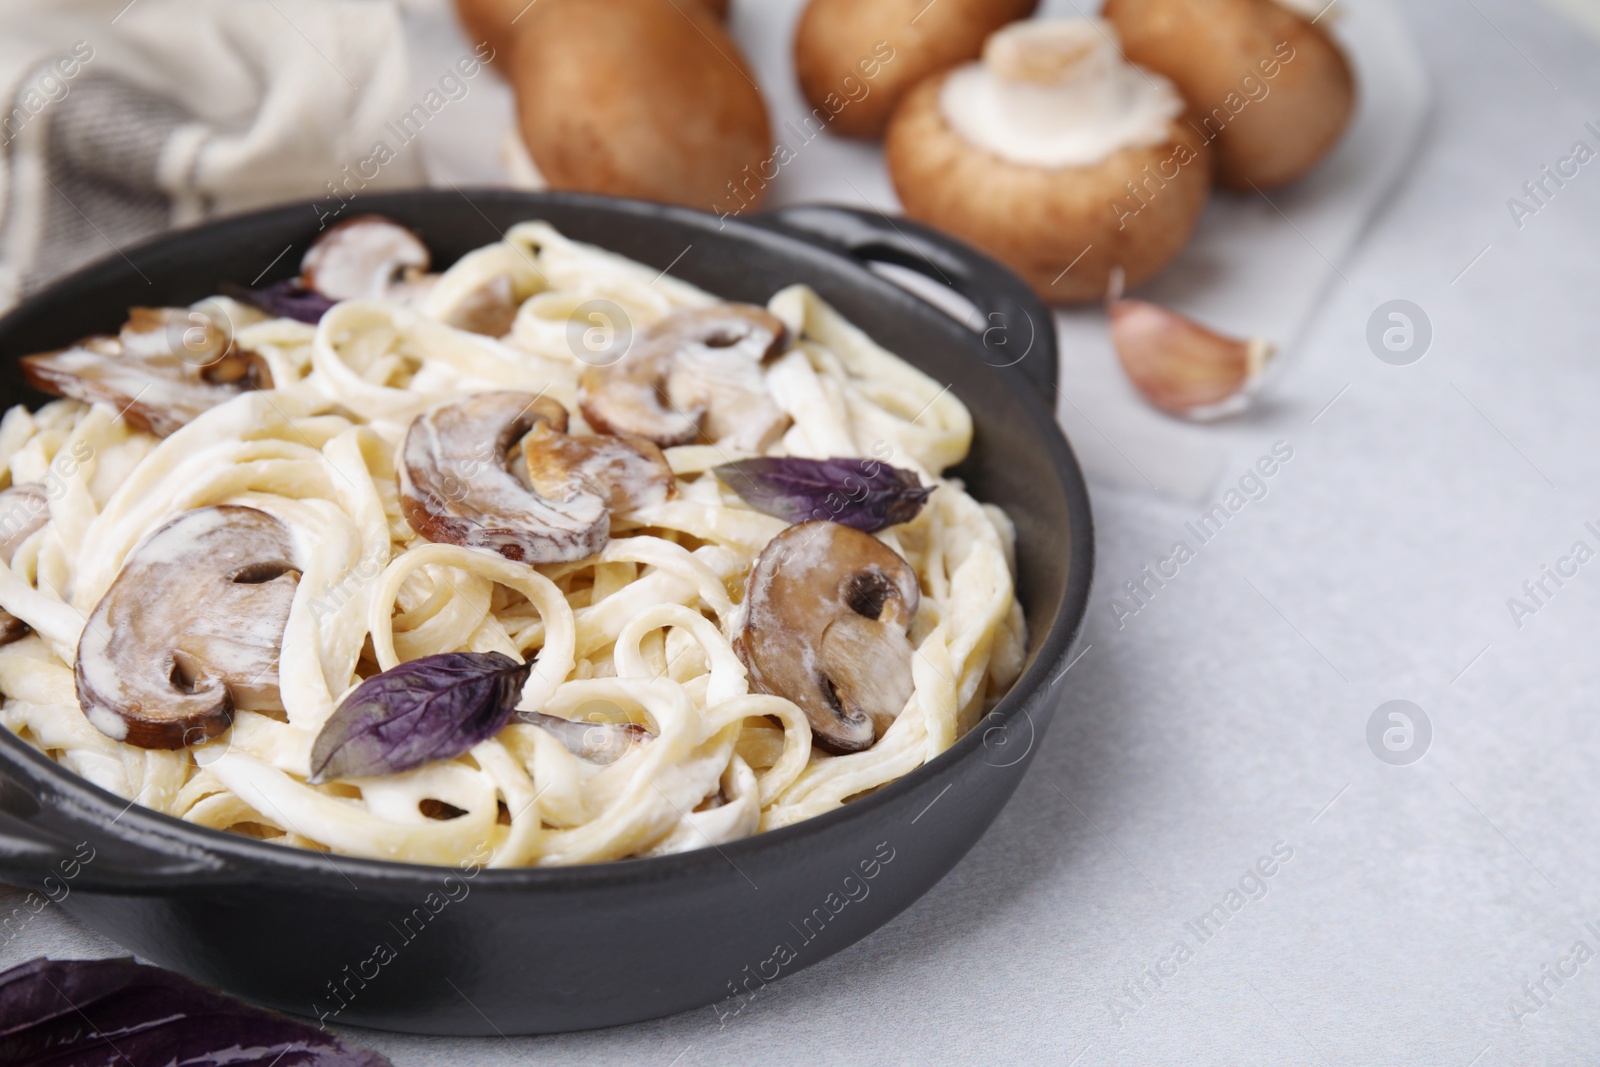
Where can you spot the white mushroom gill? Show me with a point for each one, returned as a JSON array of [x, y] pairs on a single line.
[[1057, 93]]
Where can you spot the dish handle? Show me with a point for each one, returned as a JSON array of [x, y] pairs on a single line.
[[32, 857], [1018, 330]]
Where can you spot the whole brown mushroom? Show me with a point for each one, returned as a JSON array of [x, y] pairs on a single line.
[[494, 22], [641, 98], [1054, 156], [856, 59], [1268, 86]]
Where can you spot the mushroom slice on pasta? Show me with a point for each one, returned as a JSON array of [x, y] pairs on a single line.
[[825, 621], [167, 366], [190, 630], [367, 256], [458, 485], [488, 308], [629, 472], [695, 374]]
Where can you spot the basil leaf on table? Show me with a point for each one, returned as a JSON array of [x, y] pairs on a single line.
[[862, 493], [427, 709], [286, 299], [70, 1013]]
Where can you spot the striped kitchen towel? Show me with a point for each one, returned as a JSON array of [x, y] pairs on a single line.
[[127, 118]]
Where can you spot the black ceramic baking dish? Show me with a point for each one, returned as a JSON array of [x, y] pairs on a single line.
[[543, 950]]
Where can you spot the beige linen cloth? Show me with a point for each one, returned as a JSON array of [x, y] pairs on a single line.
[[119, 120]]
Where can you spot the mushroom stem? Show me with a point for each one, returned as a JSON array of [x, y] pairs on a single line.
[[601, 743], [629, 472]]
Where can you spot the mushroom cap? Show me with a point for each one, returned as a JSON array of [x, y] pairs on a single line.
[[824, 624], [190, 630], [457, 483], [628, 471], [696, 373], [166, 367], [1216, 51], [492, 22], [641, 98], [1039, 221], [495, 21], [837, 42], [362, 257]]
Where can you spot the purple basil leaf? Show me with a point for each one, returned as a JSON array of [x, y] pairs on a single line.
[[287, 299], [862, 493], [432, 708], [89, 1013]]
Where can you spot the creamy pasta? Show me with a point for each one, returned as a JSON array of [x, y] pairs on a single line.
[[641, 632]]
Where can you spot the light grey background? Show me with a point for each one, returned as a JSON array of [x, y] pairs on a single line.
[[1585, 13], [1231, 712]]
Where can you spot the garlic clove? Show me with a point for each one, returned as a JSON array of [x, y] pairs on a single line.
[[1181, 366]]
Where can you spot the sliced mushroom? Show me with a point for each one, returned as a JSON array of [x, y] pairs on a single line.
[[457, 483], [190, 630], [364, 257], [12, 629], [167, 366], [490, 309], [695, 374], [826, 612], [628, 471], [597, 742], [24, 509]]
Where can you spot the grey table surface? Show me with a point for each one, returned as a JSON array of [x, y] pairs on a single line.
[[1414, 914]]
